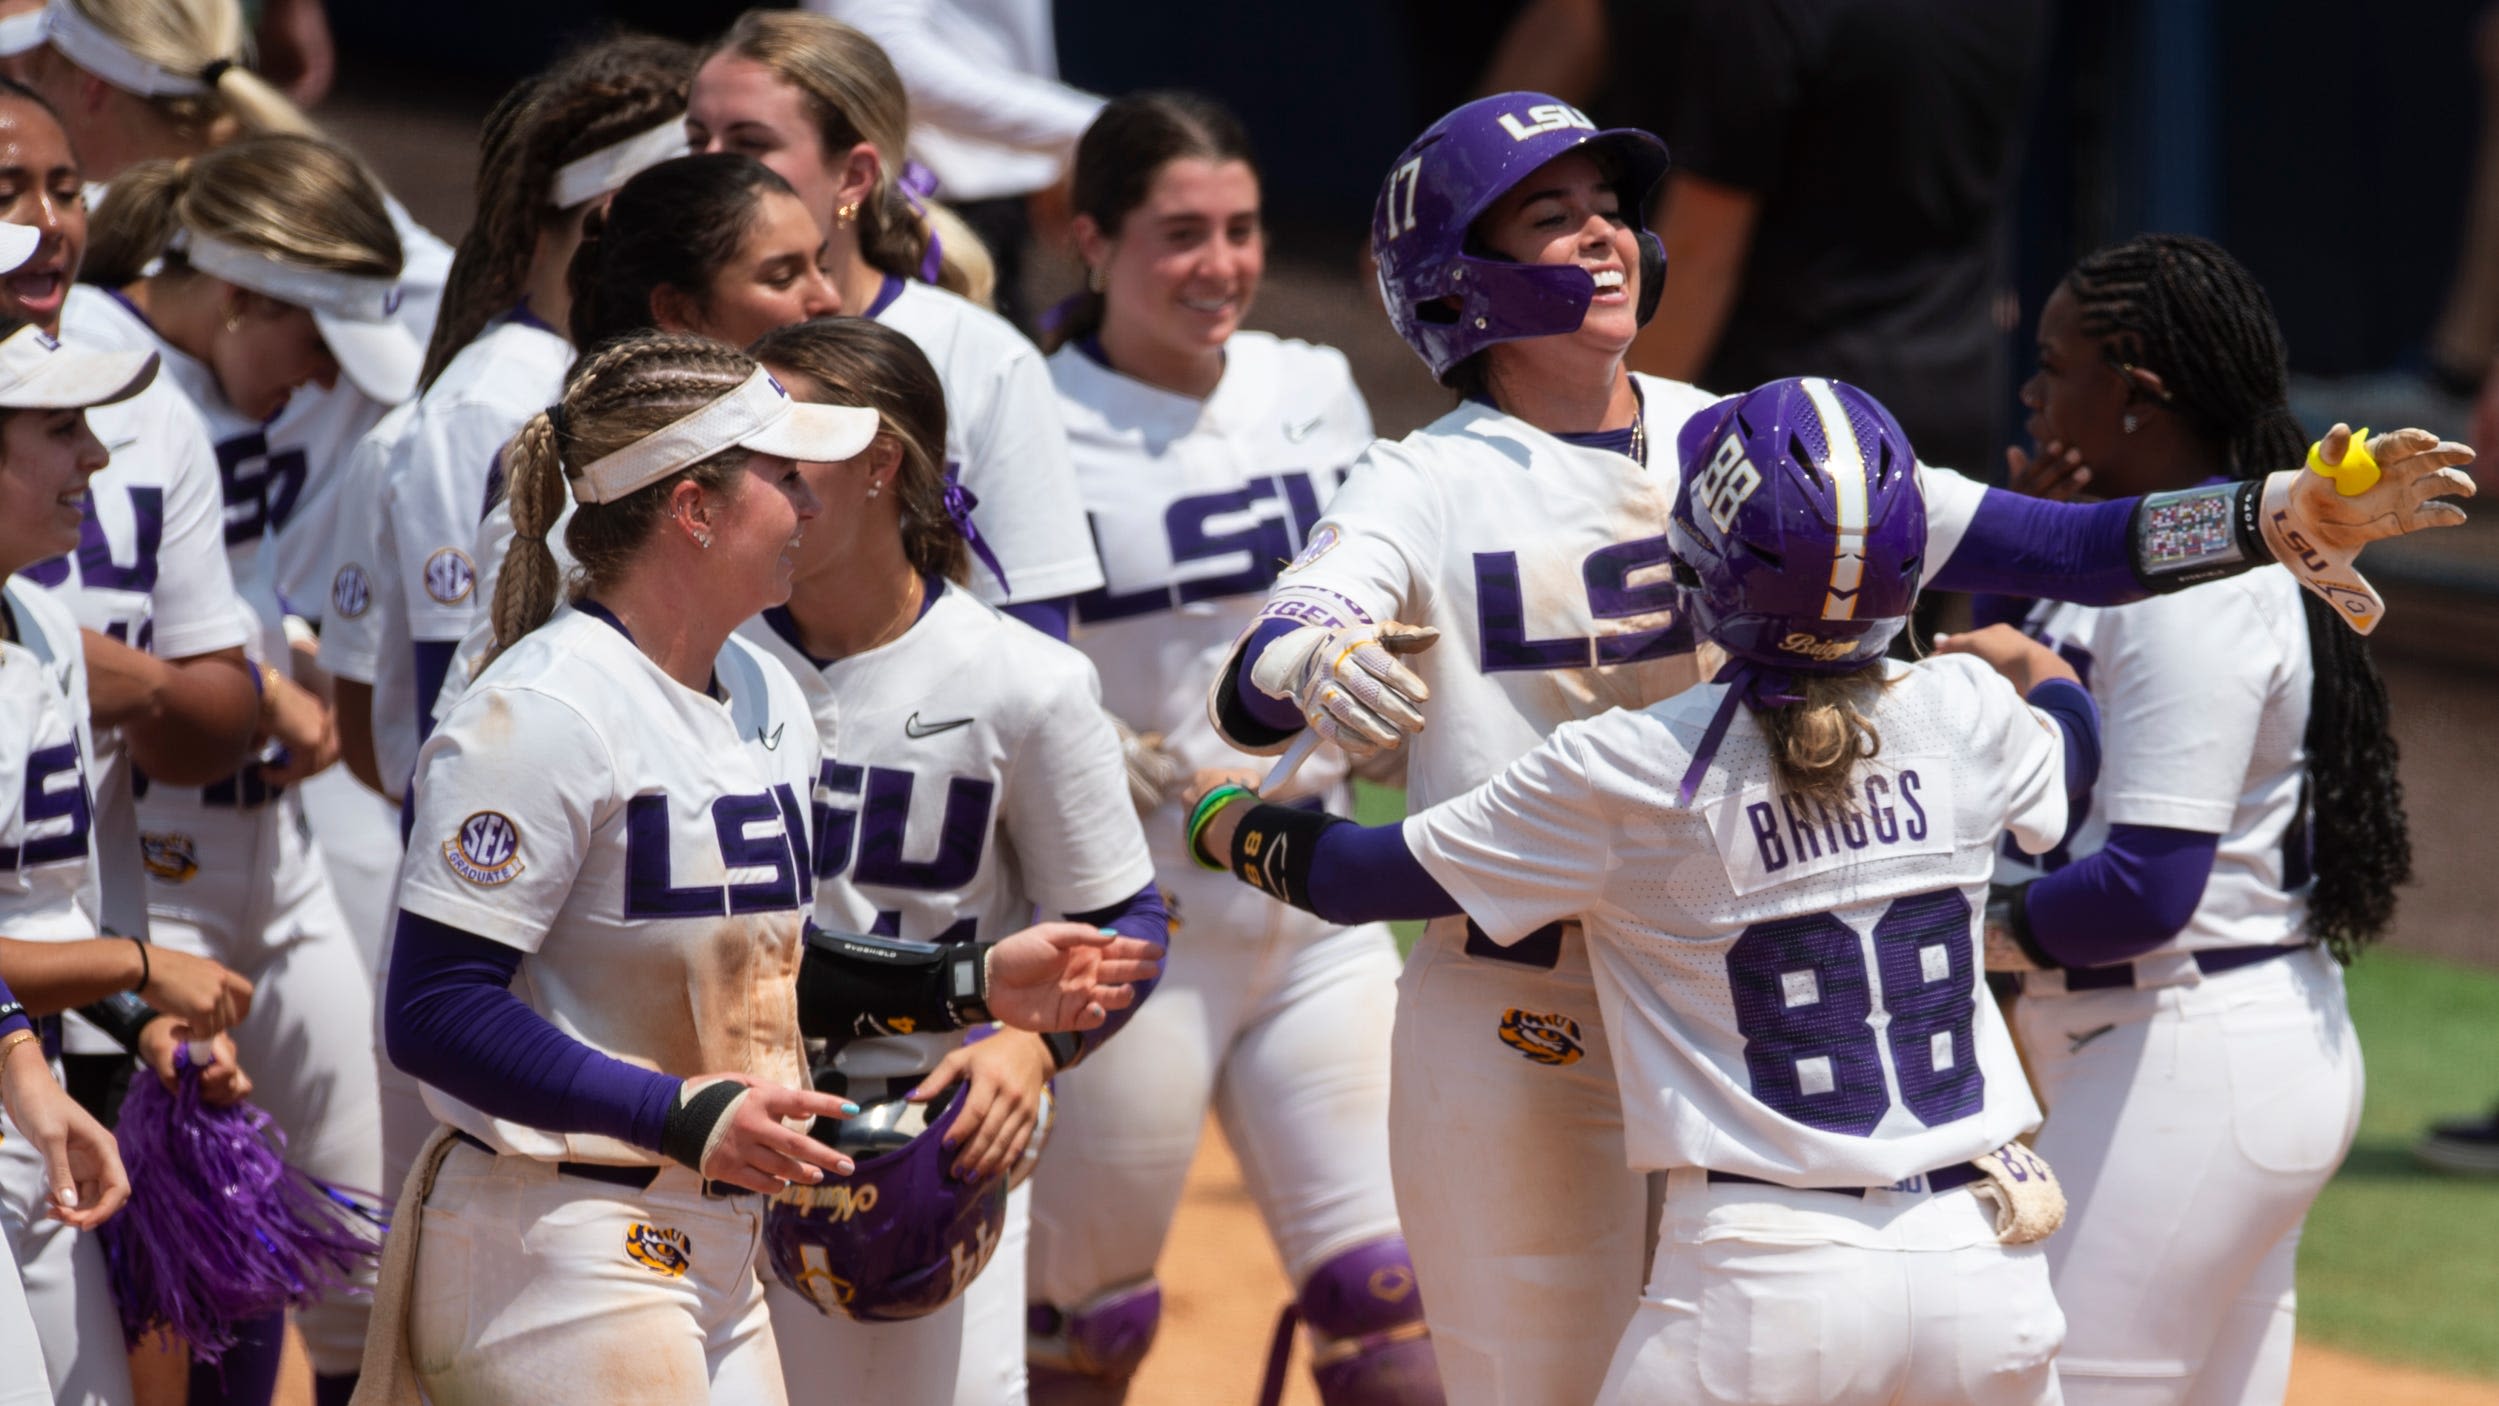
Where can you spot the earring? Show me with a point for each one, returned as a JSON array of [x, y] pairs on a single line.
[[702, 537], [875, 488], [1096, 278], [847, 213], [2131, 423], [234, 321]]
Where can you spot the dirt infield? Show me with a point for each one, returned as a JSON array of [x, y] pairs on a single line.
[[1221, 1290]]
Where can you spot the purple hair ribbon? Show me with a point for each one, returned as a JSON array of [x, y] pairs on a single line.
[[959, 505], [1757, 687], [919, 186], [219, 1231]]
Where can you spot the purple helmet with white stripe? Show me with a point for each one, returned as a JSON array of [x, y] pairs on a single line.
[[901, 1236], [1799, 526], [1449, 303]]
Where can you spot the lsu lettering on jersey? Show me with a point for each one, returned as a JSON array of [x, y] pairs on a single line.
[[1789, 994], [644, 844], [1003, 439], [969, 779], [47, 873], [2204, 718], [1195, 505]]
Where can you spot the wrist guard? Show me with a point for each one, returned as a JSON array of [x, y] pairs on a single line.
[[2008, 920], [121, 1017], [1273, 850], [1066, 1047], [2193, 535], [857, 985], [695, 1120]]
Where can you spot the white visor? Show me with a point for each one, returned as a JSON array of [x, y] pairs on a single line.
[[608, 168], [17, 245], [21, 33], [79, 40], [38, 373], [357, 312], [758, 415]]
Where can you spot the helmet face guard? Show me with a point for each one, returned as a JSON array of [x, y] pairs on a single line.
[[1799, 529], [1449, 304]]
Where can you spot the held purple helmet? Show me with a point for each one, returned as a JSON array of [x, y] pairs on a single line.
[[1450, 304], [1799, 526], [901, 1236]]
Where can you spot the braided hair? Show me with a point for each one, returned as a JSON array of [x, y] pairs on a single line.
[[591, 99], [633, 387], [2183, 307]]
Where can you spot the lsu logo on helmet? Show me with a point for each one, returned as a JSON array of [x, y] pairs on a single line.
[[1544, 1037], [659, 1249]]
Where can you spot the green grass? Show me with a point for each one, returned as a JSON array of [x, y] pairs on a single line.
[[2398, 1261]]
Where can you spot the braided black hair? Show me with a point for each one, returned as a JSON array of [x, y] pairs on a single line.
[[2183, 307]]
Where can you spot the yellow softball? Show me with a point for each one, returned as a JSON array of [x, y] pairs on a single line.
[[2357, 474]]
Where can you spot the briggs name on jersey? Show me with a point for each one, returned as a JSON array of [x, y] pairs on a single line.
[[1766, 837]]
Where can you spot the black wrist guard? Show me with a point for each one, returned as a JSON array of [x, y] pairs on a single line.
[[1066, 1047], [2193, 535], [2008, 912], [690, 1121], [121, 1017], [856, 985], [1273, 849]]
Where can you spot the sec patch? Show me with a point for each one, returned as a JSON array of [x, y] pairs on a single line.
[[1542, 1036], [449, 576], [659, 1249], [487, 849], [351, 592], [170, 856]]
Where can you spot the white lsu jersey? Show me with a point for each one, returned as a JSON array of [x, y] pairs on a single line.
[[1004, 440], [1788, 994], [969, 778], [359, 642], [644, 844], [1543, 564], [2204, 699], [1195, 506], [47, 870]]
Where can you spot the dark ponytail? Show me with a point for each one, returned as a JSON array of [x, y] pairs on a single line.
[[1117, 162], [2185, 308], [676, 225]]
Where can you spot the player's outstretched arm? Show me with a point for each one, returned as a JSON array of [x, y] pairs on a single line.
[[1049, 977], [1347, 683], [188, 722], [82, 1168], [1323, 864]]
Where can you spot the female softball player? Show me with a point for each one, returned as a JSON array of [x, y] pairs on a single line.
[[2182, 1003], [1782, 877], [820, 103], [615, 805], [1204, 453], [259, 267], [405, 591], [1525, 528], [970, 779]]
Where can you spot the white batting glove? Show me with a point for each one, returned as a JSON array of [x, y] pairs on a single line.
[[2317, 519], [1152, 772], [1348, 682]]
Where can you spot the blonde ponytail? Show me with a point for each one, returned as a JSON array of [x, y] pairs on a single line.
[[129, 231], [298, 200], [964, 264], [525, 592], [206, 38], [1815, 745]]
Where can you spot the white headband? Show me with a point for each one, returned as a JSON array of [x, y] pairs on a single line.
[[758, 415], [359, 297], [20, 33], [610, 167], [83, 43]]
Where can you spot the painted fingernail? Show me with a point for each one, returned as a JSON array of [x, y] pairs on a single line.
[[849, 1109], [1108, 932]]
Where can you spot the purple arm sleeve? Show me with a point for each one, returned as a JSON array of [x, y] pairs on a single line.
[[1365, 874], [451, 1020], [433, 665], [1279, 715], [16, 1020], [2068, 703], [2133, 895], [2078, 552], [1052, 617], [1141, 915]]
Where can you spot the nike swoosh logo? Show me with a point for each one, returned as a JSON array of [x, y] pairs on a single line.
[[773, 742], [1300, 432], [913, 727], [2075, 1042]]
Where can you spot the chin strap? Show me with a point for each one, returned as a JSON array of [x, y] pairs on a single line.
[[1755, 686]]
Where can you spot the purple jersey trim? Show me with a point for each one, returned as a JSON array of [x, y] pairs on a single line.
[[1052, 617], [1140, 915], [450, 1019], [2078, 552], [2134, 894], [886, 293]]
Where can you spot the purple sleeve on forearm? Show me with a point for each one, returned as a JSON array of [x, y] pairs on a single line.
[[451, 1020], [14, 1023], [1141, 915], [2137, 892], [1365, 874], [1052, 617], [2068, 703], [433, 665], [1281, 714], [2078, 552]]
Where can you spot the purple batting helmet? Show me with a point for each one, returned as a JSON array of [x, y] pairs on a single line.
[[899, 1237], [1449, 303], [1799, 526]]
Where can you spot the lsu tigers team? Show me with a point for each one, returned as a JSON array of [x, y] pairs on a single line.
[[813, 714]]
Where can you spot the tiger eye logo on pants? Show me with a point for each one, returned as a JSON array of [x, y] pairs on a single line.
[[1541, 1036], [659, 1249]]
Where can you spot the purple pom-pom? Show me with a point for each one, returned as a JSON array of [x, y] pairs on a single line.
[[219, 1231]]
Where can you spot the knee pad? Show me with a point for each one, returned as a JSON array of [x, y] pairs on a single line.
[[1369, 1346], [1105, 1337]]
